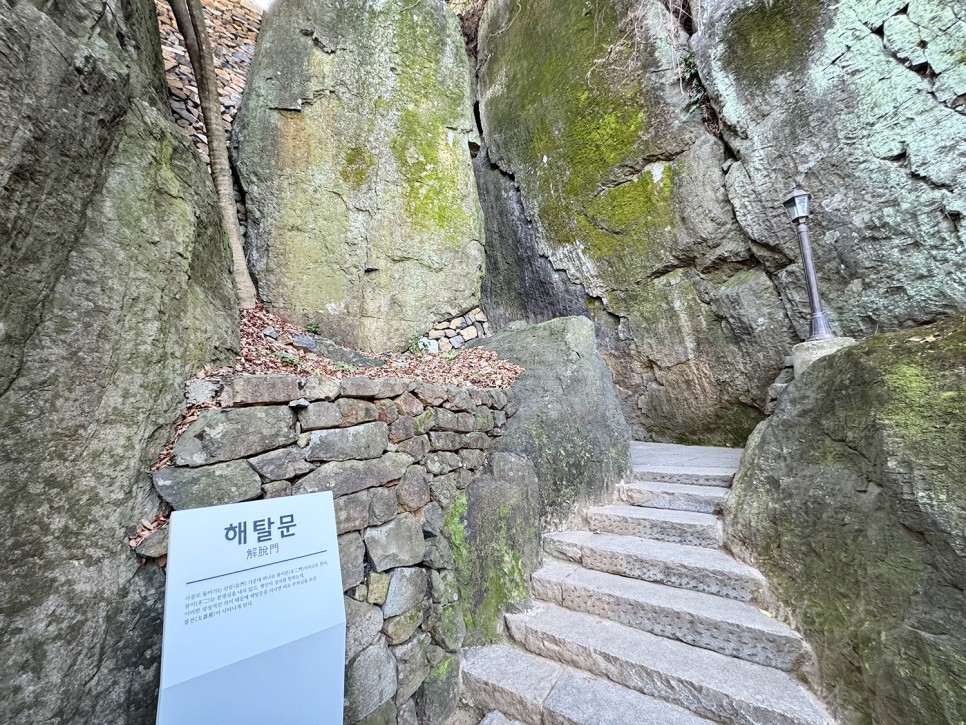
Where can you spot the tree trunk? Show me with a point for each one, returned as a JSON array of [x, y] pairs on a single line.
[[189, 15]]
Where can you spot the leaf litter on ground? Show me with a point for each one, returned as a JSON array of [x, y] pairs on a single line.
[[264, 355]]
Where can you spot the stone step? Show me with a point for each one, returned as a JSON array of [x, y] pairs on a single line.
[[689, 475], [678, 527], [686, 567], [703, 620], [673, 454], [538, 691], [498, 718], [677, 496], [709, 684]]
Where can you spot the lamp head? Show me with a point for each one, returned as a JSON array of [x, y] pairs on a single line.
[[797, 205]]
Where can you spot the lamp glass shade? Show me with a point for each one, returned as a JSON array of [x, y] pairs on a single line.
[[797, 204]]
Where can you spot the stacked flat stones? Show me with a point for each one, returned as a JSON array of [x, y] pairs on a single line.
[[233, 28], [396, 455], [453, 334]]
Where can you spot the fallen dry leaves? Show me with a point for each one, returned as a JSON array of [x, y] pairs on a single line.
[[190, 416], [146, 528], [262, 355]]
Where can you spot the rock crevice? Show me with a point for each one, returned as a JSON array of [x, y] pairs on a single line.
[[699, 248]]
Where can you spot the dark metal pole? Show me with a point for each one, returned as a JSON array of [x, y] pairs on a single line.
[[820, 329]]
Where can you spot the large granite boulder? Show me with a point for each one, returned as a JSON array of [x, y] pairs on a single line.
[[352, 144], [861, 102], [565, 446], [114, 284], [568, 423], [852, 500], [617, 196]]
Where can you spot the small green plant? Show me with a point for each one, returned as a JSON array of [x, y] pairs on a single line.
[[339, 365], [417, 345], [288, 358], [450, 354], [692, 83], [312, 327]]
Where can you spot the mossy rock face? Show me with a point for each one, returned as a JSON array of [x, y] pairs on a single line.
[[852, 500], [771, 39], [626, 216], [352, 145], [115, 285], [855, 102], [500, 531]]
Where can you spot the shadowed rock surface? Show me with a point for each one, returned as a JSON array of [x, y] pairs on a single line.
[[851, 499], [352, 146], [116, 284], [519, 284]]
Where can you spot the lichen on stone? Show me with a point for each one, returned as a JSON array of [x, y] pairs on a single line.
[[851, 500], [454, 526]]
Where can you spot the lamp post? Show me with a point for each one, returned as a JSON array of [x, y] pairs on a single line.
[[797, 205]]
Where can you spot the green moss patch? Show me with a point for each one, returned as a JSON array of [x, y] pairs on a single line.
[[426, 151], [630, 217], [575, 109], [454, 527], [498, 538], [771, 38], [358, 165]]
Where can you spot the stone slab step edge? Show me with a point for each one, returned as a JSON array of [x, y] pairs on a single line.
[[709, 684], [676, 496], [686, 567], [538, 691], [498, 718], [677, 527], [715, 623], [696, 476]]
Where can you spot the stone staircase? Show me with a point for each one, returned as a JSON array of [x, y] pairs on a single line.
[[644, 619]]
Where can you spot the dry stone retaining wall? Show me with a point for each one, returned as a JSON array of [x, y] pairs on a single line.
[[397, 456], [452, 334]]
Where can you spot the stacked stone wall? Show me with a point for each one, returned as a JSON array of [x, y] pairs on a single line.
[[454, 333], [397, 456]]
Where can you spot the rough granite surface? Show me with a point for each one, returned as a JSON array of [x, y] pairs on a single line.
[[851, 500], [569, 422], [352, 144], [115, 280]]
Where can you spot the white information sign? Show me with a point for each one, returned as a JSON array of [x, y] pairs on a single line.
[[254, 620]]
